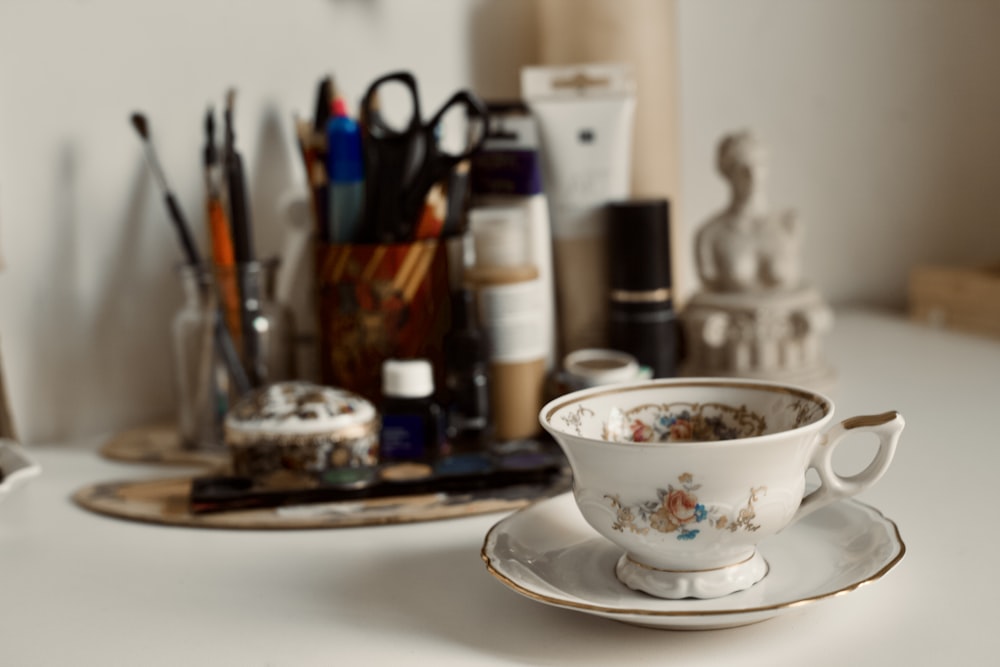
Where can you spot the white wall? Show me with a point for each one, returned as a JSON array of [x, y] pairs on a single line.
[[880, 116], [88, 292], [881, 119]]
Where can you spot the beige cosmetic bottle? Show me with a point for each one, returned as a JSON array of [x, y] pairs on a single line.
[[509, 300]]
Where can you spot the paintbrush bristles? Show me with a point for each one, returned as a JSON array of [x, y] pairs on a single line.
[[141, 125], [227, 114]]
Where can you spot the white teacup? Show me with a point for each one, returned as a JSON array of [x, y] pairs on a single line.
[[689, 475]]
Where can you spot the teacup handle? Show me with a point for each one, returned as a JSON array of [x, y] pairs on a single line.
[[887, 426]]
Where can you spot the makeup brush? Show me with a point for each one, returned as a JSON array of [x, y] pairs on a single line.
[[141, 126]]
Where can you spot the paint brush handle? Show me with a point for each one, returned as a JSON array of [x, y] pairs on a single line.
[[248, 279], [225, 266], [223, 339], [239, 212], [187, 242], [230, 357]]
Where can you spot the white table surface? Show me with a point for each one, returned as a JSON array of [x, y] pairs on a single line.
[[77, 588]]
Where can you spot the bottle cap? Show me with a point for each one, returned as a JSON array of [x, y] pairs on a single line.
[[500, 236], [638, 233], [591, 367], [339, 107], [407, 378]]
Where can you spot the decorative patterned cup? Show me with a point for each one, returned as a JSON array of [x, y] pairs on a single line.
[[688, 476]]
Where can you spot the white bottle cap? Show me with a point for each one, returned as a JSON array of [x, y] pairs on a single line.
[[407, 378], [591, 367], [500, 236]]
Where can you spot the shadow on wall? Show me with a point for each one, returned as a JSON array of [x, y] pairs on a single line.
[[64, 353], [109, 342]]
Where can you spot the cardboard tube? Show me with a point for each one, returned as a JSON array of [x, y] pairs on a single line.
[[641, 34]]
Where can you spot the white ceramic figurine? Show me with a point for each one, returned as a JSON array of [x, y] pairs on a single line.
[[755, 316]]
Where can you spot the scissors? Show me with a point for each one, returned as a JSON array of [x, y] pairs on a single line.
[[403, 163]]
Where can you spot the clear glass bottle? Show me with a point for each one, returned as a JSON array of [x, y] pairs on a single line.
[[205, 388], [266, 340]]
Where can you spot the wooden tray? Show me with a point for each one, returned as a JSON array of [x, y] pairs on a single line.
[[165, 501], [964, 298], [159, 443]]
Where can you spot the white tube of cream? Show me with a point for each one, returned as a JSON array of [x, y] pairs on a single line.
[[585, 116]]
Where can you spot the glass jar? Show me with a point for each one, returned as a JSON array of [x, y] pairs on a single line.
[[260, 329]]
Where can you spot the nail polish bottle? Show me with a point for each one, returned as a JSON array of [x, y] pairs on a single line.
[[412, 425]]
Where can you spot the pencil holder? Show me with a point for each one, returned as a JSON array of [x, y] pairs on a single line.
[[260, 329], [376, 302]]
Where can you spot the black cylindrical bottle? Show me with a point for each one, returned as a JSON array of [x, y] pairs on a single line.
[[467, 386], [641, 316]]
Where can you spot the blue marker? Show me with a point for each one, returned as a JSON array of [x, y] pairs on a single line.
[[346, 171]]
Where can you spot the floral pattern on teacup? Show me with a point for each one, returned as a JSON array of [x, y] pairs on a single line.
[[574, 420], [806, 412], [677, 510], [683, 422]]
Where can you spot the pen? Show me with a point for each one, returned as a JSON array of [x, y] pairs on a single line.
[[346, 171]]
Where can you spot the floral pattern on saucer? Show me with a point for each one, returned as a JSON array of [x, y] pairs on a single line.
[[683, 422], [677, 510]]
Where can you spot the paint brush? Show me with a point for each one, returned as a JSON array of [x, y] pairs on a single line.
[[141, 126], [249, 279], [239, 213], [221, 241], [222, 338]]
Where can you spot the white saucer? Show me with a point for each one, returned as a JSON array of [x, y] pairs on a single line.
[[548, 553]]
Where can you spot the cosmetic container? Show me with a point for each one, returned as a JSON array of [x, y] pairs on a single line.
[[641, 317]]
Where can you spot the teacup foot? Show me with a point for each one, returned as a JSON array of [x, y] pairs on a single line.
[[677, 584]]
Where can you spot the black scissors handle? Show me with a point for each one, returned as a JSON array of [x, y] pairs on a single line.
[[402, 164], [436, 163], [372, 121], [475, 112]]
